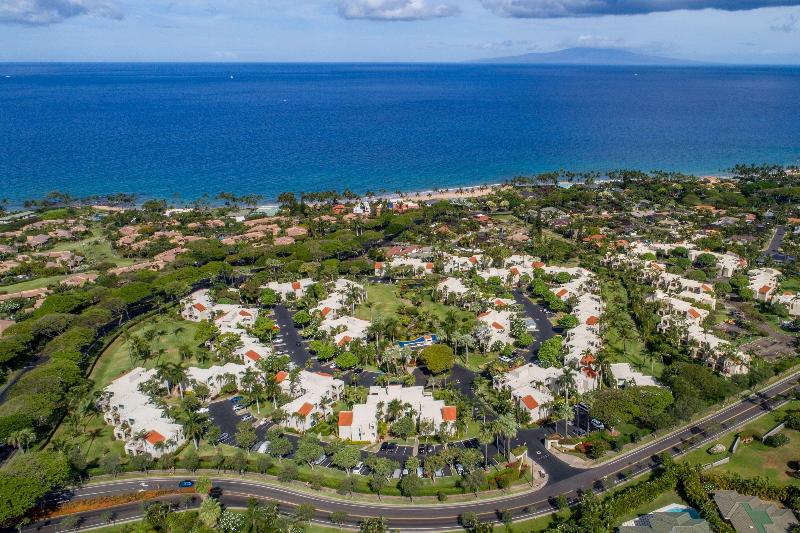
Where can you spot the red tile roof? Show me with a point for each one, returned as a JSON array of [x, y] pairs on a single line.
[[344, 340], [244, 313], [515, 271], [325, 374], [154, 436], [589, 372], [537, 264], [561, 293], [345, 418], [497, 325], [325, 311], [473, 259], [530, 402], [449, 413], [587, 359], [765, 289], [592, 321], [378, 265], [305, 409], [429, 266], [280, 376], [200, 307], [254, 355], [707, 288], [296, 285], [693, 312]]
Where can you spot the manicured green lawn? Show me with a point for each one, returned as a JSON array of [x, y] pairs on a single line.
[[37, 283], [96, 248], [791, 283], [662, 501], [756, 458], [170, 333], [383, 300]]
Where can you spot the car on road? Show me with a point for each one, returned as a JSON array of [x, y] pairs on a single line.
[[186, 483]]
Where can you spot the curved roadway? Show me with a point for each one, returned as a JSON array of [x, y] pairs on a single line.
[[441, 517]]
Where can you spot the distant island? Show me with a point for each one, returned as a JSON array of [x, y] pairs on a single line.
[[588, 56]]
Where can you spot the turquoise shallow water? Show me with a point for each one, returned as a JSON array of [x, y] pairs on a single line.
[[181, 130]]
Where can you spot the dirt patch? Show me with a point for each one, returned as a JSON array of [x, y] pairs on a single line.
[[770, 348]]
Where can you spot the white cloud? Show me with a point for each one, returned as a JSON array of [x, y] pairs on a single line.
[[44, 12], [788, 25], [596, 8], [395, 9]]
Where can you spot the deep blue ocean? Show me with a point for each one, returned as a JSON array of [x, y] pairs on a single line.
[[181, 130]]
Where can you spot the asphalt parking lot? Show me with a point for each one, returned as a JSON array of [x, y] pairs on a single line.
[[223, 415]]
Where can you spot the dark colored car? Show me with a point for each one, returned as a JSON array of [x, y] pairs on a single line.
[[186, 483]]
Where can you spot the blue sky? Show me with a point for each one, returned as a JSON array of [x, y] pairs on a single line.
[[729, 31]]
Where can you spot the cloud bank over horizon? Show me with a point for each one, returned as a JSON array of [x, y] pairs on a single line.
[[598, 8], [395, 10], [44, 12]]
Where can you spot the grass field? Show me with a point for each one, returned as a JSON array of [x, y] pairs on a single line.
[[384, 301], [169, 333], [37, 283], [96, 248], [757, 459]]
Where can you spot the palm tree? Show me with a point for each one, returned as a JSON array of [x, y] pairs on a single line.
[[507, 428], [194, 426], [566, 382], [252, 386], [485, 436], [21, 438]]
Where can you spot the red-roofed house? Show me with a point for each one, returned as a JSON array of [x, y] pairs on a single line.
[[537, 264], [280, 376], [252, 355], [449, 413], [154, 437], [345, 418], [563, 294], [592, 320]]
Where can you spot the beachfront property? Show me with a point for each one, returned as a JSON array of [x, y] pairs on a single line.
[[313, 395], [361, 423], [143, 426]]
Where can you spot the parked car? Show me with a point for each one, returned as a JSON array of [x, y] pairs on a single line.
[[237, 399], [596, 424], [320, 459], [223, 437], [186, 483], [247, 417], [203, 410]]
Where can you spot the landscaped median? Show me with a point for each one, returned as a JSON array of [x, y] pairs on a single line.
[[106, 502], [428, 496]]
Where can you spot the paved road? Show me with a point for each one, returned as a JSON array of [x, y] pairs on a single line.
[[544, 328], [443, 517]]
